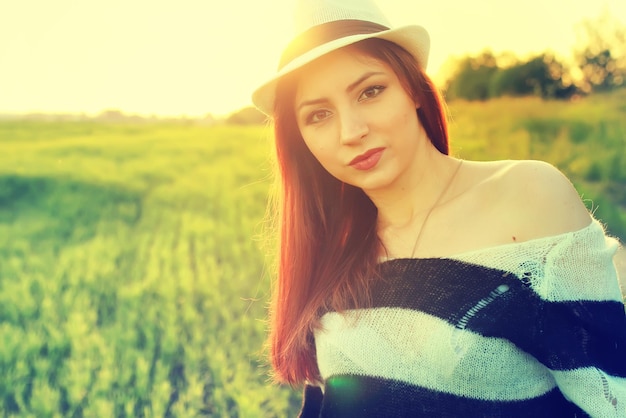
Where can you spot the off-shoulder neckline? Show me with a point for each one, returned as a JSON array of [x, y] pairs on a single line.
[[594, 224]]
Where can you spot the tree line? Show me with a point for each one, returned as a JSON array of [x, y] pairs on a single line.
[[599, 64]]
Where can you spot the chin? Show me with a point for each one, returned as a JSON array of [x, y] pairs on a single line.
[[375, 179], [374, 183]]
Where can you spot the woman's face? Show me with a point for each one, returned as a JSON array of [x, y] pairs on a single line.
[[356, 119]]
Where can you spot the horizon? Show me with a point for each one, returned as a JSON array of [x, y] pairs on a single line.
[[189, 59]]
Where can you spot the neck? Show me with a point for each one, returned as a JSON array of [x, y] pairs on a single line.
[[407, 201]]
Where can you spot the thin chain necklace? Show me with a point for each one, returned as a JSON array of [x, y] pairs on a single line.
[[441, 195]]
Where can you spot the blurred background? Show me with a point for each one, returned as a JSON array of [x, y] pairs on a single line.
[[134, 176]]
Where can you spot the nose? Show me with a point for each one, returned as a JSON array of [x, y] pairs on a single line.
[[353, 127]]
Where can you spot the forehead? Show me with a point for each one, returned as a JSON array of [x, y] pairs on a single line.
[[337, 68]]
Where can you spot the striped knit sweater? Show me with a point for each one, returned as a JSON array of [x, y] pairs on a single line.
[[531, 329]]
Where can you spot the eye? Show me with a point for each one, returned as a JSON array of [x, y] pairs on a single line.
[[371, 92], [317, 116]]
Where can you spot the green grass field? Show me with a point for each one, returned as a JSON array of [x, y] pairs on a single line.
[[132, 279]]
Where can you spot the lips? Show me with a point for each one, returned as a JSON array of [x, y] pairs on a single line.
[[368, 159]]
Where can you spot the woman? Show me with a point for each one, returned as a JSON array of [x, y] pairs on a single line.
[[412, 283]]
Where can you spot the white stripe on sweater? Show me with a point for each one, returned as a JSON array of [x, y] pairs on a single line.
[[599, 394], [423, 350], [568, 267]]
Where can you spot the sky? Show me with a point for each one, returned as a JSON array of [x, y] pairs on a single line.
[[194, 57]]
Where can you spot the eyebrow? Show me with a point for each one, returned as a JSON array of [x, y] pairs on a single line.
[[361, 79], [349, 89]]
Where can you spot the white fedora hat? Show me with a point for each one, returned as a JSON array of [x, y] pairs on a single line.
[[323, 26]]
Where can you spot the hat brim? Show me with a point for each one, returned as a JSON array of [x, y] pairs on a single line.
[[413, 38]]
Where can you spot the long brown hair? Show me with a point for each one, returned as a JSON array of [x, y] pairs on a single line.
[[328, 245]]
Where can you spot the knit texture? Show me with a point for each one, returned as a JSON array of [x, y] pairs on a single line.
[[536, 328]]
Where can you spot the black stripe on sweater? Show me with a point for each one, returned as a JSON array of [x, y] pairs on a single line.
[[494, 303], [364, 396]]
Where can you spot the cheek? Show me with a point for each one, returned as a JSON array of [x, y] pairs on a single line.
[[326, 155], [408, 115], [322, 154], [310, 143], [404, 105], [315, 150], [397, 116], [409, 118], [320, 148]]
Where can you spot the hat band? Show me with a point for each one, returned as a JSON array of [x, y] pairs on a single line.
[[324, 33]]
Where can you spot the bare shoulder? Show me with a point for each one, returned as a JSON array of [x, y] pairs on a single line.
[[541, 198], [523, 200]]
